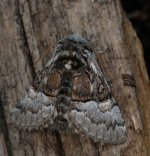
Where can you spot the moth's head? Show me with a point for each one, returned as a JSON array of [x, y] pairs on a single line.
[[73, 53]]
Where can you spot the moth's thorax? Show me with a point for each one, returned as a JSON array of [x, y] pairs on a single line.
[[71, 56], [69, 62], [72, 64]]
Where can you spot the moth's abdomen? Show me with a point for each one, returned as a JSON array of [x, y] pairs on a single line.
[[64, 93]]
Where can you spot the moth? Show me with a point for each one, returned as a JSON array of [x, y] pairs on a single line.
[[72, 92]]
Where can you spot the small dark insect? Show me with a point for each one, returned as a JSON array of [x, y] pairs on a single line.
[[72, 92], [128, 80]]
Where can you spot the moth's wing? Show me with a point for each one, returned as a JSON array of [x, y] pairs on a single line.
[[48, 82], [82, 87], [88, 86], [97, 115], [37, 109], [101, 121]]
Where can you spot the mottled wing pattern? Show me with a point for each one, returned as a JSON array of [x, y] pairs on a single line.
[[97, 114], [37, 109], [81, 88], [101, 121]]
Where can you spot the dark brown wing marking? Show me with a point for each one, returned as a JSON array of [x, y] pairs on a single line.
[[82, 90]]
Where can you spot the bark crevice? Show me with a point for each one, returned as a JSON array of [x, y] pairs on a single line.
[[4, 128], [23, 36], [60, 147]]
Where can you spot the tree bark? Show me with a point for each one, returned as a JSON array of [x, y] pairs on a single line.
[[29, 30]]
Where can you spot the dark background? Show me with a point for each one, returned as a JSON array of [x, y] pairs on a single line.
[[138, 11]]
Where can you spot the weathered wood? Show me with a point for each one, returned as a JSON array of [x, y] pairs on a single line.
[[29, 30]]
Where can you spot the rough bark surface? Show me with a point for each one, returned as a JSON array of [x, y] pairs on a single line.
[[29, 30]]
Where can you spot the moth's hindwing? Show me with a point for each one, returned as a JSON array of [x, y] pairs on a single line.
[[35, 111], [100, 121]]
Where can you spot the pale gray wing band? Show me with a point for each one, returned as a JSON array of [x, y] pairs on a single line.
[[35, 111], [101, 121]]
